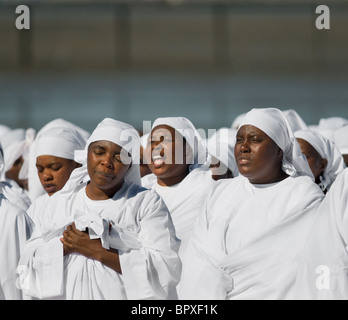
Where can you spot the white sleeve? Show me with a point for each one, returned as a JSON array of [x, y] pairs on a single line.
[[202, 278], [42, 267], [153, 271], [16, 229]]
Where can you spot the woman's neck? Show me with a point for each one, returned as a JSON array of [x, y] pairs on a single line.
[[280, 177], [95, 193], [172, 181]]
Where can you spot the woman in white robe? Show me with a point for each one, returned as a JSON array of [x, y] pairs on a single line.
[[35, 187], [12, 193], [245, 242], [180, 162], [16, 145], [325, 160], [130, 251], [323, 272], [54, 152], [15, 229]]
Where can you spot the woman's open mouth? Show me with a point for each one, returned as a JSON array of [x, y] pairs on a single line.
[[158, 161]]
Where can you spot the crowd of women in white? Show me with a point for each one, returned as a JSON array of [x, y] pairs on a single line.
[[256, 211]]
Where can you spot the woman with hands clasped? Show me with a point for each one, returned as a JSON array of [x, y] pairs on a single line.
[[105, 237]]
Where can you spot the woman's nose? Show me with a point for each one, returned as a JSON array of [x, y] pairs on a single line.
[[107, 161], [47, 176], [244, 147]]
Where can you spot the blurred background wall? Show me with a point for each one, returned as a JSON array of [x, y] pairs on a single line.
[[138, 60]]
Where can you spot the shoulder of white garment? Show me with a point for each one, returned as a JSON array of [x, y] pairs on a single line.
[[302, 187], [12, 212], [340, 186], [147, 198]]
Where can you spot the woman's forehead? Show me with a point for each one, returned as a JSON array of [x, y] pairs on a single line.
[[105, 144], [307, 147], [164, 130], [250, 129], [49, 159]]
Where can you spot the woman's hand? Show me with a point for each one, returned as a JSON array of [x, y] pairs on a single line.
[[76, 241]]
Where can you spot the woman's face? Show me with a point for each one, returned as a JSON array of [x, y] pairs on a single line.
[[315, 161], [168, 155], [106, 169], [258, 157], [54, 172]]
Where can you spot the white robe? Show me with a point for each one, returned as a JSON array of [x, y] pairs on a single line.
[[15, 229], [185, 202], [16, 194], [35, 211], [323, 273], [246, 240], [142, 231]]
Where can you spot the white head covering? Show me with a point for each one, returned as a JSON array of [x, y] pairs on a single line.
[[16, 143], [60, 142], [4, 130], [328, 126], [328, 134], [332, 123], [119, 133], [35, 187], [237, 121], [328, 151], [296, 122], [184, 126], [221, 146], [341, 139], [274, 123]]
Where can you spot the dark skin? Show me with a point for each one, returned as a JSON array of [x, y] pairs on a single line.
[[345, 157], [54, 172], [107, 173], [165, 143], [144, 168], [13, 174], [217, 167], [258, 157], [315, 161]]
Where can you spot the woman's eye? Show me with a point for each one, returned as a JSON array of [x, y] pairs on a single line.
[[256, 139], [56, 168]]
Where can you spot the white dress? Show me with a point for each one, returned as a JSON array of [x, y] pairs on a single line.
[[142, 231], [245, 242], [323, 272], [185, 201], [15, 229]]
